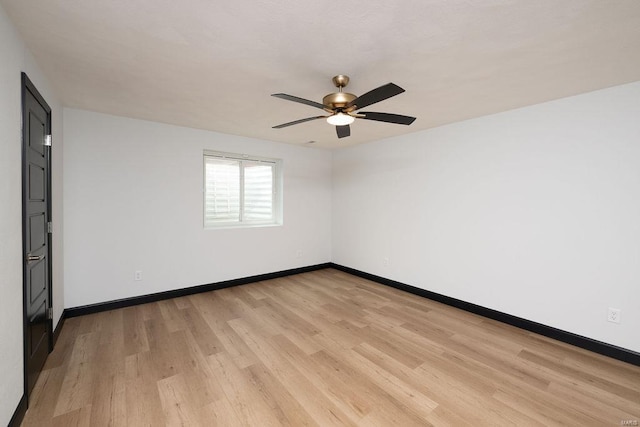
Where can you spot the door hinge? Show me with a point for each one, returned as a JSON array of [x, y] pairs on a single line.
[[50, 313], [47, 140], [49, 227]]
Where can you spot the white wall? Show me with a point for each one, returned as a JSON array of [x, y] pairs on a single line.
[[15, 58], [133, 201], [533, 212]]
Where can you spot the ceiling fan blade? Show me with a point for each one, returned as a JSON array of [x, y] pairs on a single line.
[[388, 118], [376, 95], [295, 122], [300, 100], [343, 131]]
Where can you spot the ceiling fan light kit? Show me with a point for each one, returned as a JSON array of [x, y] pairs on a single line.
[[340, 119], [343, 106]]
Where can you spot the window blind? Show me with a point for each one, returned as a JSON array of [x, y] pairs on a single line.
[[239, 190]]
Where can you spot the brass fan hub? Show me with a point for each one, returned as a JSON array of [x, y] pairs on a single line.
[[338, 100]]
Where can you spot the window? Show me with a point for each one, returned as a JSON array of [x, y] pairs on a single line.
[[241, 190]]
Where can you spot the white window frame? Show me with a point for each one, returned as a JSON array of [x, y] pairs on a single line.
[[276, 188]]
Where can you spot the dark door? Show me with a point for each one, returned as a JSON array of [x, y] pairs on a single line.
[[36, 190]]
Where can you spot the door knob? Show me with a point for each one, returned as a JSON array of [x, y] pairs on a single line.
[[34, 257]]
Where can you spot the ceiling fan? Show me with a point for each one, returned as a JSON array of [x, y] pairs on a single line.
[[343, 107]]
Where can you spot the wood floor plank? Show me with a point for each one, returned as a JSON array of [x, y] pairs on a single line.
[[293, 327], [204, 336], [219, 413], [64, 346], [76, 390], [197, 372], [77, 418], [323, 348], [173, 321], [45, 396], [141, 380], [179, 407], [109, 400], [576, 375], [384, 404], [295, 378], [277, 395], [415, 401], [134, 332], [255, 290], [247, 402]]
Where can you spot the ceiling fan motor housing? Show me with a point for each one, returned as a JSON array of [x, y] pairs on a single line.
[[338, 100]]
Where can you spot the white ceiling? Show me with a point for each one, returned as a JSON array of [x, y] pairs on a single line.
[[213, 64]]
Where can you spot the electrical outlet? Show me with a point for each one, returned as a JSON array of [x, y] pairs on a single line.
[[137, 276], [385, 261], [613, 315]]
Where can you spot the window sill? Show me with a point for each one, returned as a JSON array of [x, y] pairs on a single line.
[[236, 226]]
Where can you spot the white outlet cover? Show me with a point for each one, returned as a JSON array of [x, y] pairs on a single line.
[[613, 315]]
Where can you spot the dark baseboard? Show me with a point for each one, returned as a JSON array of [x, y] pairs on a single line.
[[19, 413], [599, 347], [595, 346], [143, 299]]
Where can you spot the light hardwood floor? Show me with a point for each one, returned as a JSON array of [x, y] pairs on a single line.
[[322, 348]]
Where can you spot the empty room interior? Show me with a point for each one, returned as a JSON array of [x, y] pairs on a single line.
[[315, 213]]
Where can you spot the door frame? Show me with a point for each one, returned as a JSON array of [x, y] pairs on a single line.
[[28, 86]]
